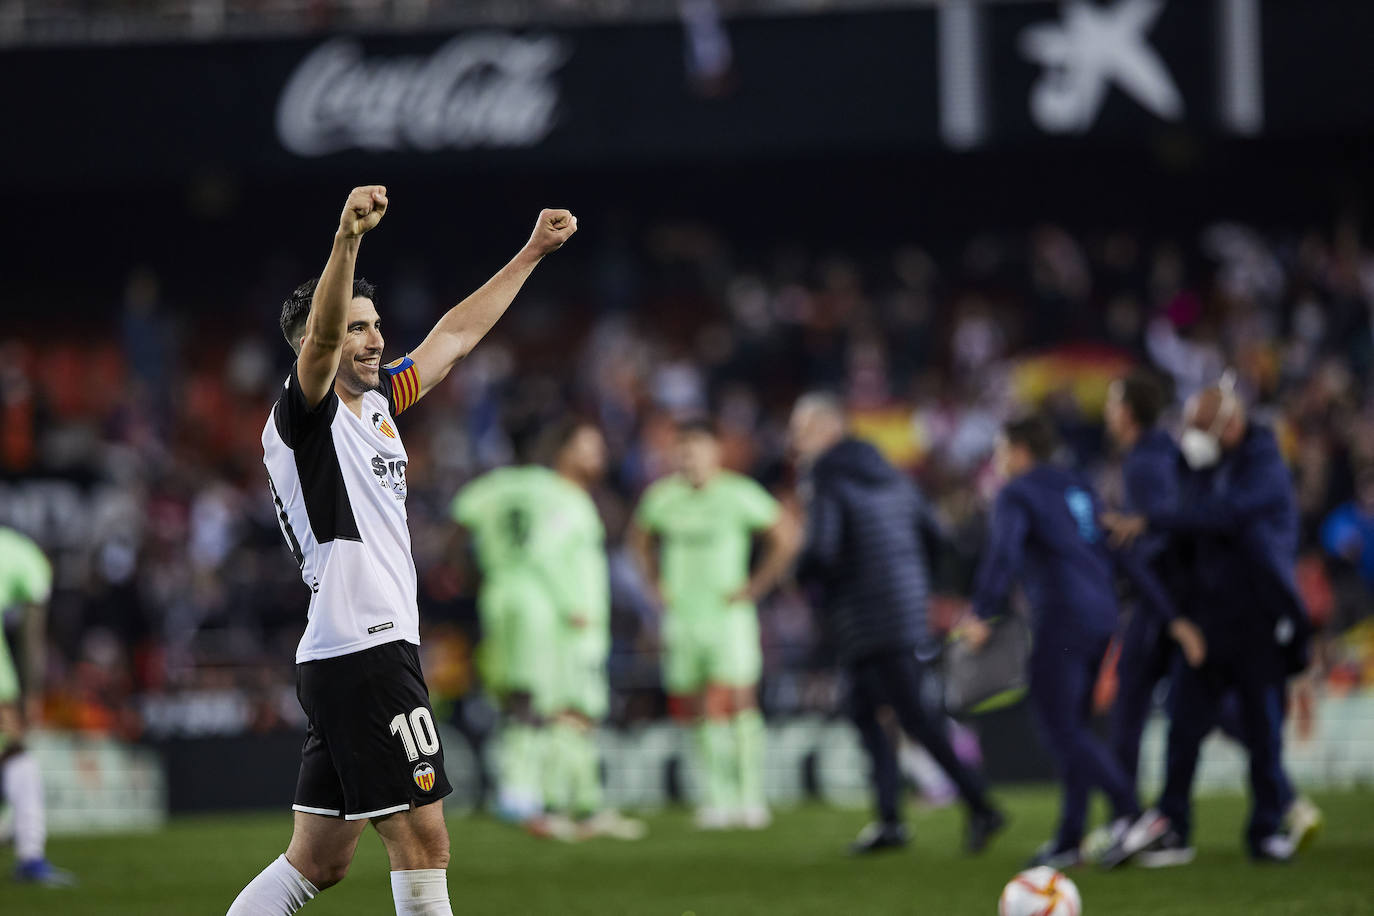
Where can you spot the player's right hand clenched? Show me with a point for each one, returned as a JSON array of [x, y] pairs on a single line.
[[365, 208]]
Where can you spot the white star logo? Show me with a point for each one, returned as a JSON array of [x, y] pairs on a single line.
[[1089, 50]]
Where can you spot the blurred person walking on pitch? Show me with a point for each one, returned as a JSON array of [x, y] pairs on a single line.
[[1044, 532], [25, 583], [337, 473], [868, 528], [692, 535], [1238, 515]]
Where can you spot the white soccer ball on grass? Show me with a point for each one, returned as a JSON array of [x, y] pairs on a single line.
[[1040, 891]]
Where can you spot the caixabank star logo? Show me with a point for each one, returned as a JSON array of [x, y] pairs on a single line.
[[424, 777]]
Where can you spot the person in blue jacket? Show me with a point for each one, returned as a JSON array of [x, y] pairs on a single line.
[[1150, 471], [1238, 512], [1044, 533]]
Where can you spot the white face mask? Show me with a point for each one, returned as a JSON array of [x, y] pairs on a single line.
[[1201, 448]]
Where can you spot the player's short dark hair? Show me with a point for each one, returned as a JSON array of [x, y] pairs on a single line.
[[696, 424], [556, 436], [1144, 396], [296, 309], [1035, 433]]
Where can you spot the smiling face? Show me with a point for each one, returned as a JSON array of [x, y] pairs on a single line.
[[360, 361]]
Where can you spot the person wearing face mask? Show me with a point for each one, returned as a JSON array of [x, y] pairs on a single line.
[[1238, 515]]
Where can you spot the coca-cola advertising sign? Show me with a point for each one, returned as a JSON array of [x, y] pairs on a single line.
[[487, 89]]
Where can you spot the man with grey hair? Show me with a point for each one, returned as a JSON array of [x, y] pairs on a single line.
[[867, 532]]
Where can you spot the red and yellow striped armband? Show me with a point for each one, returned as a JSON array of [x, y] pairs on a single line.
[[405, 382]]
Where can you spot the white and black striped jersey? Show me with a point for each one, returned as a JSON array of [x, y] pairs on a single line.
[[339, 484]]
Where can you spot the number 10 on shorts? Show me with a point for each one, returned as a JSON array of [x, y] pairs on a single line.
[[417, 733]]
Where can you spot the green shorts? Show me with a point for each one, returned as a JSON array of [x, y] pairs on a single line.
[[717, 648], [583, 685], [519, 651]]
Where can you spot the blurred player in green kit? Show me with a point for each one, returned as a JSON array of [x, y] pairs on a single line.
[[25, 583], [576, 572], [693, 534], [518, 653]]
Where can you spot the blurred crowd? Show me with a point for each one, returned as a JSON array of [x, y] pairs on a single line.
[[177, 607]]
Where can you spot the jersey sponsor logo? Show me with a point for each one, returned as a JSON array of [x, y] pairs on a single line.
[[380, 425], [424, 777], [1081, 508], [391, 474], [381, 626]]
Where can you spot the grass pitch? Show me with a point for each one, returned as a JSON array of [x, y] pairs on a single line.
[[197, 865]]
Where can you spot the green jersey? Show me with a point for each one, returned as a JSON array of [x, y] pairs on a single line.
[[706, 536], [25, 578], [25, 574], [502, 509], [574, 556]]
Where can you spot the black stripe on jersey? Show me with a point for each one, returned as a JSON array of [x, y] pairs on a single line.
[[291, 541], [307, 432]]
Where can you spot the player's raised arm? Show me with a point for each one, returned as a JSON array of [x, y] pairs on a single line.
[[327, 325], [469, 321]]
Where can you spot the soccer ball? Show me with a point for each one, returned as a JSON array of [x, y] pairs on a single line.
[[1040, 891]]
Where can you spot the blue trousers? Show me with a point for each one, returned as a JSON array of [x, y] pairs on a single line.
[[1197, 701], [1147, 658], [1061, 694], [894, 679]]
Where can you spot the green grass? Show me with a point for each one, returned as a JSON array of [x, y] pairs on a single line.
[[197, 865]]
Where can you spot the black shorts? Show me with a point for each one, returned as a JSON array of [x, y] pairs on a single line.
[[372, 747]]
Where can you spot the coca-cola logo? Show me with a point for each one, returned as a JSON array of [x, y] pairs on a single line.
[[489, 89]]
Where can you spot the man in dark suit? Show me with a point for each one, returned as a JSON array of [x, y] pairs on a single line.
[[868, 528]]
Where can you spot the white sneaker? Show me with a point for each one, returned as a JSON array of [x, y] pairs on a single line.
[[613, 824], [755, 817], [713, 819], [1096, 843], [554, 827], [1302, 822], [1276, 848]]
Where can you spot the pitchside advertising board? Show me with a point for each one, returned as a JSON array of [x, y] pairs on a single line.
[[958, 75]]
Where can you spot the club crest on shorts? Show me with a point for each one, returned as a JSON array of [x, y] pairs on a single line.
[[379, 423], [424, 777]]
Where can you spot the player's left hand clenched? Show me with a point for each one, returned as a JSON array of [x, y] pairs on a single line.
[[553, 229]]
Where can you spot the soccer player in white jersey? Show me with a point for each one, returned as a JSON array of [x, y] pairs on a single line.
[[337, 471]]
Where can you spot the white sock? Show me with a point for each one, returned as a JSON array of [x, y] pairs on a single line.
[[421, 892], [23, 787], [278, 890]]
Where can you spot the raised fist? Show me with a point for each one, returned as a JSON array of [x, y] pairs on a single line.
[[365, 208], [553, 229]]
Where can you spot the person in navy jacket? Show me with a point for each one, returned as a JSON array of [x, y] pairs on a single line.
[[1044, 533], [1150, 472], [1238, 512]]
